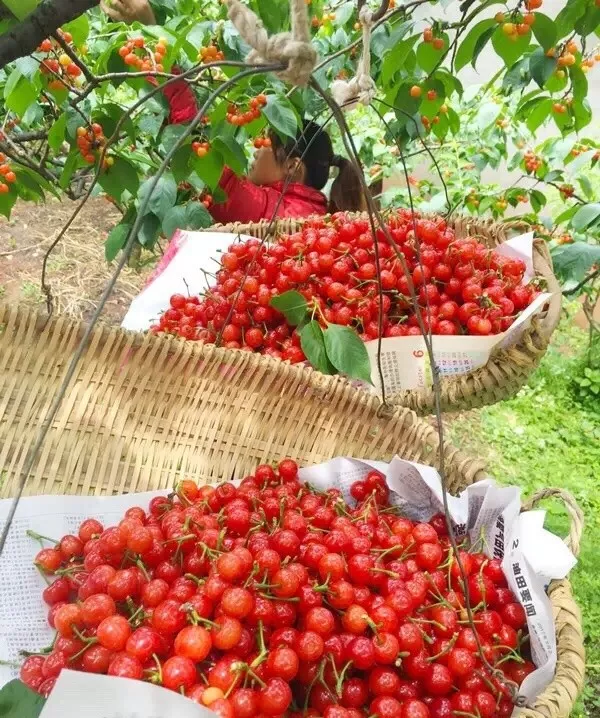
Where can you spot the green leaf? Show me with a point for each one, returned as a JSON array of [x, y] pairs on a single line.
[[568, 16], [208, 168], [517, 77], [509, 50], [553, 176], [21, 96], [163, 197], [19, 701], [539, 114], [109, 117], [544, 30], [274, 14], [292, 305], [586, 186], [541, 67], [385, 38], [313, 346], [427, 56], [487, 115], [588, 22], [180, 164], [394, 60], [537, 199], [73, 159], [197, 216], [280, 114], [171, 135], [7, 202], [233, 154], [79, 29], [173, 220], [149, 230], [115, 241], [347, 352], [566, 215], [585, 216], [28, 185], [20, 8], [56, 134], [573, 261], [481, 42], [406, 106], [579, 82], [27, 66], [582, 113], [120, 177], [466, 49]]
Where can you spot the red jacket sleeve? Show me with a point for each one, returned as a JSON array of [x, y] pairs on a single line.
[[246, 202], [182, 101]]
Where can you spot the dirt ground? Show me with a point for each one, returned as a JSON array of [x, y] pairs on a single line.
[[77, 270]]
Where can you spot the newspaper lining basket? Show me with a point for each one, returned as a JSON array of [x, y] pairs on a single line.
[[507, 369], [144, 411]]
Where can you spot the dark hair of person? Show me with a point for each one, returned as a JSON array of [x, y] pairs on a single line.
[[313, 146]]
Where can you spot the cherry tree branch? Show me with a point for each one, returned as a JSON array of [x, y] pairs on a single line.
[[49, 15]]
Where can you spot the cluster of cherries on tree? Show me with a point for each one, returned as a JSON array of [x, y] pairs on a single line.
[[274, 599], [347, 276], [59, 66], [138, 55], [238, 117], [90, 142], [7, 175]]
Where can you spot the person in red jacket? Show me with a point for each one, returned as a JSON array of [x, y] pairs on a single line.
[[285, 179]]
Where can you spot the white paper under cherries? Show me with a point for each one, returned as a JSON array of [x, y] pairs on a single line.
[[531, 557]]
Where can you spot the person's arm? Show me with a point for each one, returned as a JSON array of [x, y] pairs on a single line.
[[246, 202], [129, 11]]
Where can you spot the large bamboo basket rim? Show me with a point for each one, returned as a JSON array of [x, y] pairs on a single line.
[[507, 369], [130, 422]]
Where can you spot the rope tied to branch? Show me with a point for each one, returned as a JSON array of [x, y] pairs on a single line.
[[361, 88], [293, 49]]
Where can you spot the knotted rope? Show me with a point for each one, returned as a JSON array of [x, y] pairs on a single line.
[[293, 49], [361, 88]]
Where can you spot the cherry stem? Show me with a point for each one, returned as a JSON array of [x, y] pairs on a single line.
[[446, 650], [140, 564], [42, 574], [342, 675], [90, 642], [253, 675], [40, 537]]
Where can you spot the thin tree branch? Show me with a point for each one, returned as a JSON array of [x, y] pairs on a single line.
[[584, 281]]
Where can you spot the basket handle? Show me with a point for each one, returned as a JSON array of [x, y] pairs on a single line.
[[576, 528]]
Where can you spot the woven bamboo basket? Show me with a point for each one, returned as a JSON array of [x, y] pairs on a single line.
[[507, 369], [142, 412]]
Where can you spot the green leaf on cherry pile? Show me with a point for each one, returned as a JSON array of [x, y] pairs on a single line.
[[312, 342], [19, 701], [292, 305], [347, 352]]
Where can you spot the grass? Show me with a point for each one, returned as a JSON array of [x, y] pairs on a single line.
[[543, 438]]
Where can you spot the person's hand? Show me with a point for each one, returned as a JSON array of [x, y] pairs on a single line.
[[129, 11]]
